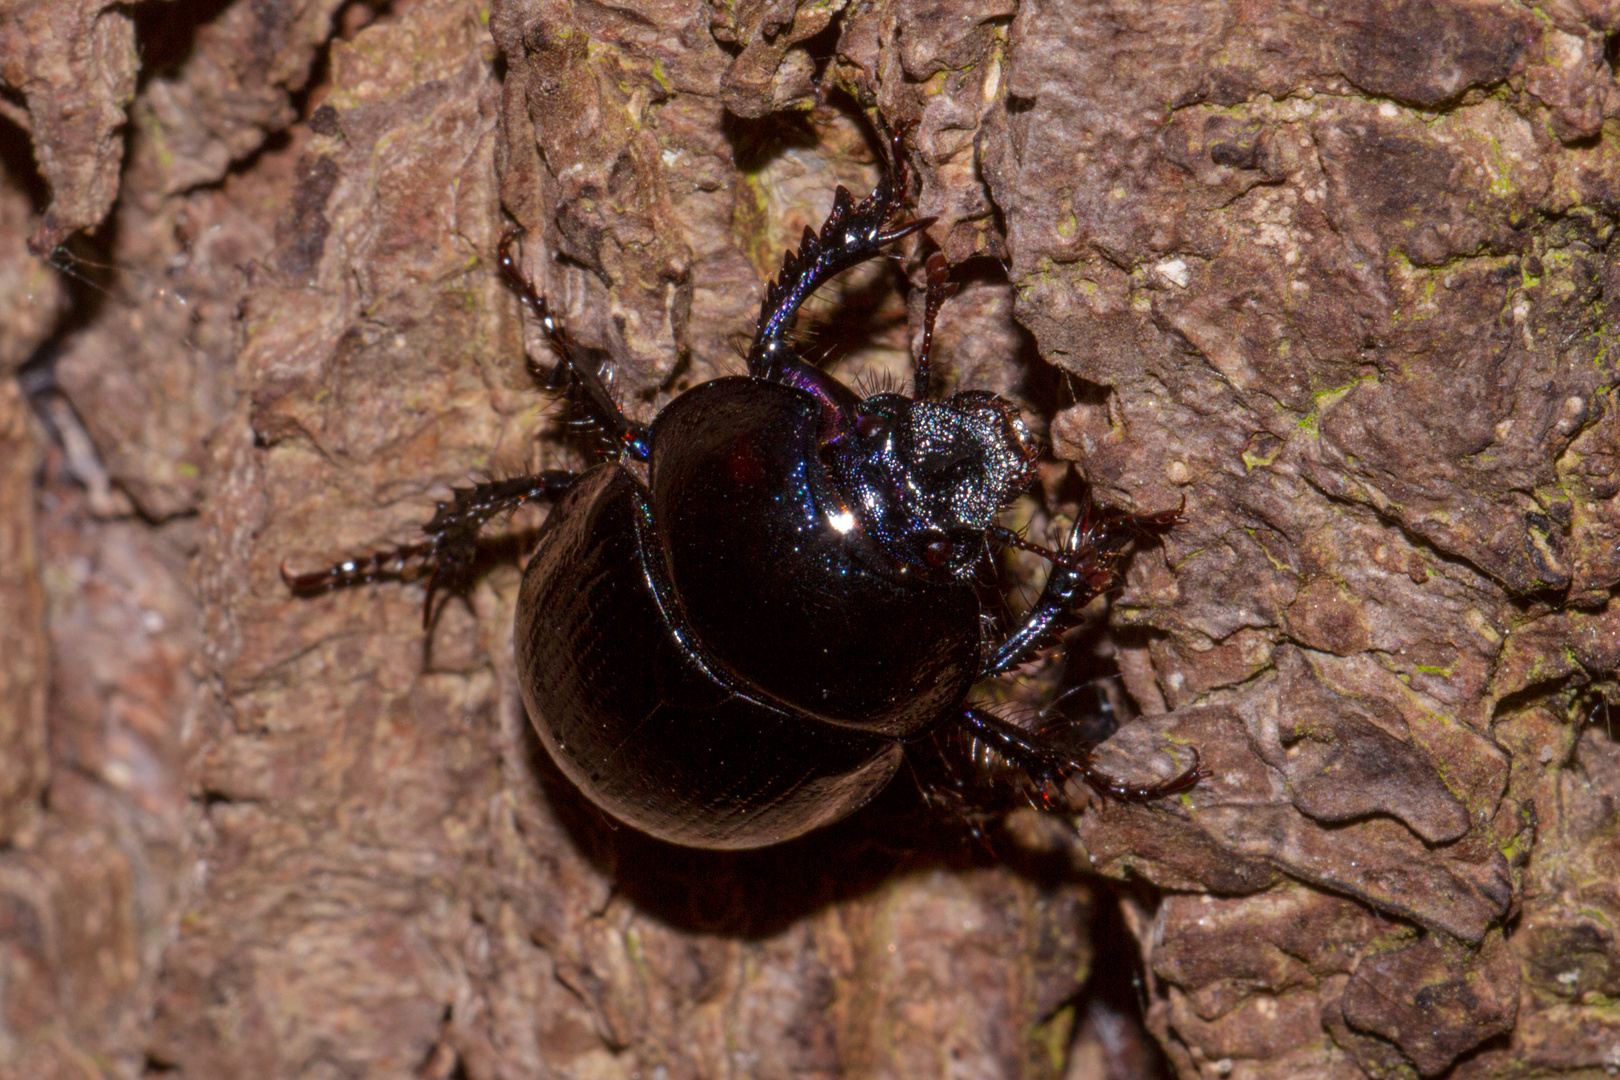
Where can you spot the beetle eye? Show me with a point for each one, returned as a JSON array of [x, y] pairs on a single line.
[[937, 553]]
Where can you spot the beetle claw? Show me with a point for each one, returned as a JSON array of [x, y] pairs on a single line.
[[1109, 785], [904, 229]]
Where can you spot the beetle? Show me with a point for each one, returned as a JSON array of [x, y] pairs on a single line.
[[729, 634]]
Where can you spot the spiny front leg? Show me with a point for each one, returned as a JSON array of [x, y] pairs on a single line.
[[447, 558], [852, 233]]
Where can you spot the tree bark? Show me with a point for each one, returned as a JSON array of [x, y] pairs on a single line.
[[1336, 278]]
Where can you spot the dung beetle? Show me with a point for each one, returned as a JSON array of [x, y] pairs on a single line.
[[730, 634]]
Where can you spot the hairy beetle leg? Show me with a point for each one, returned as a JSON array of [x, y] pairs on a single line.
[[448, 556], [1086, 566], [1047, 767]]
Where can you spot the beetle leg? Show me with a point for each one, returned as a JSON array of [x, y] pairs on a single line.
[[1046, 767], [852, 233], [952, 784], [628, 434], [448, 556], [1087, 566], [940, 289]]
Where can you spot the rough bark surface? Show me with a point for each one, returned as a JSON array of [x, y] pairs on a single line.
[[1341, 277]]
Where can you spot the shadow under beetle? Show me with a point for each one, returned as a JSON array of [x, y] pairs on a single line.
[[739, 648]]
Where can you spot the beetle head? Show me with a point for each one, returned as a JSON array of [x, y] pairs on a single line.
[[930, 476]]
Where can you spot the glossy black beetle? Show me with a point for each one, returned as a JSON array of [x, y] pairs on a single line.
[[733, 644]]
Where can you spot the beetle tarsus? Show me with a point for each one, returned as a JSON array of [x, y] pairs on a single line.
[[393, 564], [1046, 768], [449, 555], [1109, 785]]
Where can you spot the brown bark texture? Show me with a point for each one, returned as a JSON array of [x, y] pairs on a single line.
[[1336, 277]]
